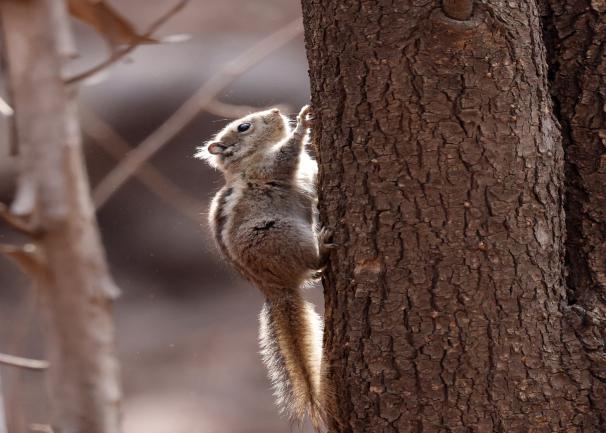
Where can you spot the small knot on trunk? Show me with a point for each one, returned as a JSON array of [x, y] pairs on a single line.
[[460, 10]]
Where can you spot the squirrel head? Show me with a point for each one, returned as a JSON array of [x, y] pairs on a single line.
[[243, 138]]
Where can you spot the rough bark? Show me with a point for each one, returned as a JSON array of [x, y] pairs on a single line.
[[441, 173], [75, 283], [575, 34]]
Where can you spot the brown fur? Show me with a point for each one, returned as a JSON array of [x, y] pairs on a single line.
[[264, 222], [289, 336]]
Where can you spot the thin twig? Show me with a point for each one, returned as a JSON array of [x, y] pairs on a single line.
[[17, 223], [205, 95], [28, 257], [117, 55], [116, 146], [18, 361]]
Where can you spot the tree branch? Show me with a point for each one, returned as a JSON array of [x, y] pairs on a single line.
[[66, 44], [116, 146], [119, 54], [205, 95], [28, 257], [20, 362], [19, 224]]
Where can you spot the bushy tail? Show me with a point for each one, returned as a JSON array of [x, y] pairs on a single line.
[[291, 346]]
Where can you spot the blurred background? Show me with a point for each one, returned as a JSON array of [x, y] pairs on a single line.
[[186, 324]]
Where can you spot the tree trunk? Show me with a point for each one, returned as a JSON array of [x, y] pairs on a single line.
[[575, 32], [441, 174], [575, 35], [75, 283]]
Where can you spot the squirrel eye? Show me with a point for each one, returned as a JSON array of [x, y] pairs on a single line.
[[243, 127]]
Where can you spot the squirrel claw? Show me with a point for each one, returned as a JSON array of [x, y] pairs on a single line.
[[317, 274], [305, 118], [324, 236], [325, 245]]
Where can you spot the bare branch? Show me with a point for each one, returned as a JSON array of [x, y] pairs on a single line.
[[18, 223], [205, 95], [20, 362], [119, 54], [116, 146], [28, 257], [66, 45]]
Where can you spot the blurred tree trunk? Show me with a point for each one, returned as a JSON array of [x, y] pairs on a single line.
[[442, 176], [3, 422], [70, 266]]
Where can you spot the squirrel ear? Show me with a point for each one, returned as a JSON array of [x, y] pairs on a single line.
[[215, 148]]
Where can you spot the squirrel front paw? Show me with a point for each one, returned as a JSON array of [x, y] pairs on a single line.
[[305, 117]]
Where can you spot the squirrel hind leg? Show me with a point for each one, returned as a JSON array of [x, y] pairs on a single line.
[[283, 255]]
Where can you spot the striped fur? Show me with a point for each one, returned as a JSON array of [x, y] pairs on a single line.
[[290, 339], [218, 218], [263, 221]]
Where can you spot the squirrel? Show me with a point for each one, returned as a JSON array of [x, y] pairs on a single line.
[[264, 224]]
